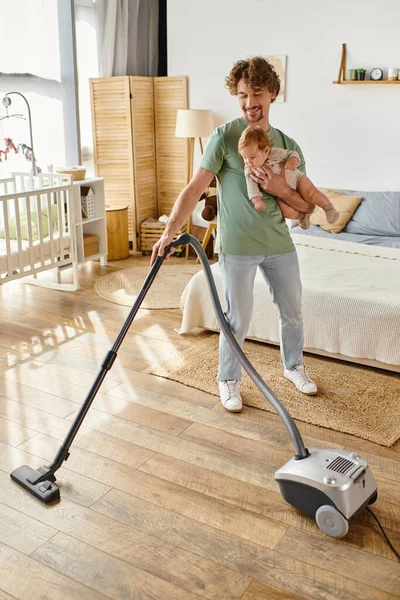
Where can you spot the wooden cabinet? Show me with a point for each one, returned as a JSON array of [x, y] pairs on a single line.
[[135, 149]]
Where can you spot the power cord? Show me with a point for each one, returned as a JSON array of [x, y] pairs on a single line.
[[384, 534]]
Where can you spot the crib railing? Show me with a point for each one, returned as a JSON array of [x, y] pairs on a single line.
[[36, 223]]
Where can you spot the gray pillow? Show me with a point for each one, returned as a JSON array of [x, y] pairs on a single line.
[[378, 214]]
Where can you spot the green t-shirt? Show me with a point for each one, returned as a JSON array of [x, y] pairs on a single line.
[[241, 230]]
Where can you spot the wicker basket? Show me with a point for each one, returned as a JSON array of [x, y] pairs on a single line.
[[77, 173], [151, 231]]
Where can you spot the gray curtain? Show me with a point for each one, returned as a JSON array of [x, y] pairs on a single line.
[[127, 37]]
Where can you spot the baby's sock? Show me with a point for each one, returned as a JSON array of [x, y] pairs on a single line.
[[332, 214], [304, 221]]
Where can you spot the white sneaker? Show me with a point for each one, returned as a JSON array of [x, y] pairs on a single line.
[[229, 392], [299, 376]]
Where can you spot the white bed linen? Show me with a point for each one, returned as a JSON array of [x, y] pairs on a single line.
[[36, 252], [351, 300]]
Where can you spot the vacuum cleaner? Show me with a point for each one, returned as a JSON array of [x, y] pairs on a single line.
[[333, 486]]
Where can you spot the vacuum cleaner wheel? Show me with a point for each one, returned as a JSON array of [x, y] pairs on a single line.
[[331, 521]]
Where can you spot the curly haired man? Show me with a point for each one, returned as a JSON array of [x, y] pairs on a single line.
[[248, 239]]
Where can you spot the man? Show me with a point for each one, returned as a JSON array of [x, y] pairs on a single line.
[[247, 239]]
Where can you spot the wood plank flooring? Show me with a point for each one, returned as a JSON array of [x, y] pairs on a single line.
[[165, 496]]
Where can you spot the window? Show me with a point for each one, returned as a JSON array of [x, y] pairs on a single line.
[[38, 68], [29, 31]]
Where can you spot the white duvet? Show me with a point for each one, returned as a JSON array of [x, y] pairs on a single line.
[[351, 300]]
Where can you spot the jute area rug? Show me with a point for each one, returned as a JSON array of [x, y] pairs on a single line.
[[122, 287], [350, 399]]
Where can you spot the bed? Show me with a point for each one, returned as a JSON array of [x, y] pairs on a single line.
[[359, 238], [37, 229], [351, 293]]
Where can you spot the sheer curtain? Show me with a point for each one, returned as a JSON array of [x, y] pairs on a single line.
[[127, 37]]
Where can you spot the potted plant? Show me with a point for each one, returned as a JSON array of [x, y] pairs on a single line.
[[361, 74]]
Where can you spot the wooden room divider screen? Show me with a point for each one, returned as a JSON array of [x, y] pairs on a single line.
[[135, 149]]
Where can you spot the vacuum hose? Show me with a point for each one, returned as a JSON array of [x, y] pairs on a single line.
[[301, 451]]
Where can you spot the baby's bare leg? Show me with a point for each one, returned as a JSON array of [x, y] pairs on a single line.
[[310, 193], [291, 213], [287, 211]]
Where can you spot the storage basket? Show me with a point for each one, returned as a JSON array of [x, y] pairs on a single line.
[[90, 244], [151, 231], [77, 173]]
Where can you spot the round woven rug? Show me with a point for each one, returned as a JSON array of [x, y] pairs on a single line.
[[122, 287]]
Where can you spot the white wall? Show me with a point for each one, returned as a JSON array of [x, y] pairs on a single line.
[[349, 134]]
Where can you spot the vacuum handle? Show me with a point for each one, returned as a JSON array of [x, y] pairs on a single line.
[[183, 240]]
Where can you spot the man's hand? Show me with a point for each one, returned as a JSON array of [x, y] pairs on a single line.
[[291, 164], [159, 247], [277, 186], [269, 182]]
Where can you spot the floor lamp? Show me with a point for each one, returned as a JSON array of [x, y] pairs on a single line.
[[192, 124]]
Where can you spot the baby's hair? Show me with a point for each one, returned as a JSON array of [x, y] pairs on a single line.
[[257, 135]]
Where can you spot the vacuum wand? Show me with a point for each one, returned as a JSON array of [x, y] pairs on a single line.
[[40, 482], [106, 365]]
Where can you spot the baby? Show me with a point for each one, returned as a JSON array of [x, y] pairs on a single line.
[[256, 149]]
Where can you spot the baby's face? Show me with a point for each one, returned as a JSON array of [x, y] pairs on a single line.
[[253, 156]]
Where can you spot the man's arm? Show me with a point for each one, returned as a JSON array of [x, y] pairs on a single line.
[[182, 209], [292, 161], [277, 186], [285, 157]]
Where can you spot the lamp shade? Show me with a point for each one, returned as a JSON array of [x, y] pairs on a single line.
[[194, 123]]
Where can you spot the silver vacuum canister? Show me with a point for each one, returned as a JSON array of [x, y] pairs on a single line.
[[331, 485]]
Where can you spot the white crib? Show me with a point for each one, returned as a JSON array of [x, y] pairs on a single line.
[[37, 229]]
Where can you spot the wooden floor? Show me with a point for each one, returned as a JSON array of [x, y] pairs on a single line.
[[165, 495]]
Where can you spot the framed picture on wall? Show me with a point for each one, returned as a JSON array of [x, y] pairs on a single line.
[[279, 62]]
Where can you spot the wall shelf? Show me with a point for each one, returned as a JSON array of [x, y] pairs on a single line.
[[367, 82], [342, 70]]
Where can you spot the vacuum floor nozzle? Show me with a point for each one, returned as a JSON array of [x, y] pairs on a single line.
[[46, 491]]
